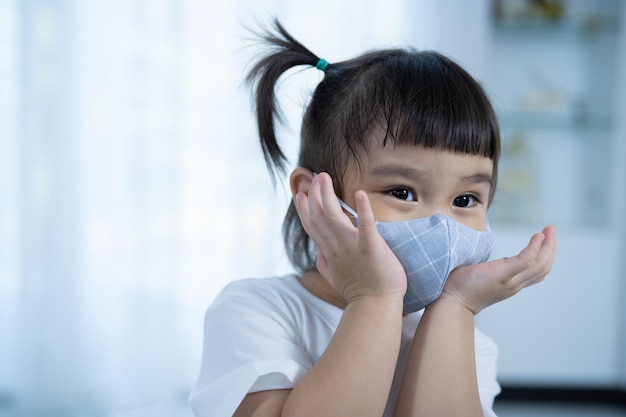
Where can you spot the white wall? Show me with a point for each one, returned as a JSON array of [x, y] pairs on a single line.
[[456, 28]]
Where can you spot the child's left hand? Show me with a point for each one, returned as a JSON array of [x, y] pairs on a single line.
[[481, 285]]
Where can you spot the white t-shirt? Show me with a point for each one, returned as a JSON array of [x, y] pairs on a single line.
[[265, 334]]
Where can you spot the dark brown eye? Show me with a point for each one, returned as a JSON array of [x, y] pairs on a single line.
[[403, 194], [465, 201]]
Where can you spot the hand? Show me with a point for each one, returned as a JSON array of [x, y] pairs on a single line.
[[481, 285], [355, 260]]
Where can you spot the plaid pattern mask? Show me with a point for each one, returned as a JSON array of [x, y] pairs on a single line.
[[429, 249]]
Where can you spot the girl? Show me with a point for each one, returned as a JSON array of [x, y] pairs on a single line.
[[411, 142]]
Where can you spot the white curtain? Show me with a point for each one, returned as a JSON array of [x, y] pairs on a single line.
[[132, 188]]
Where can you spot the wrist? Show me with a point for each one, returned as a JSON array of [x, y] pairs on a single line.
[[377, 302], [453, 304]]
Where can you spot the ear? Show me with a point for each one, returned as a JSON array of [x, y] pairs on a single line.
[[300, 180]]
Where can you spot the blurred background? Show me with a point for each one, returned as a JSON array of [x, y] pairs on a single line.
[[132, 188]]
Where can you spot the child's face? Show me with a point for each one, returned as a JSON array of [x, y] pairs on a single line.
[[410, 182]]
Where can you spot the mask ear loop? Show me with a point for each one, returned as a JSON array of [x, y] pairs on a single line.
[[344, 205], [348, 208]]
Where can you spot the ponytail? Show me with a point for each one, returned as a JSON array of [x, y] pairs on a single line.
[[286, 53]]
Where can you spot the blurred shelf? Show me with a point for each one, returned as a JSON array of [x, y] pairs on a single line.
[[575, 25], [548, 120]]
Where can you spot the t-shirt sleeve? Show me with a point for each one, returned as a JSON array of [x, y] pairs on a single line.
[[251, 344], [486, 369]]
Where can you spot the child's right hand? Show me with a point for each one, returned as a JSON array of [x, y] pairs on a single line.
[[356, 261], [481, 285]]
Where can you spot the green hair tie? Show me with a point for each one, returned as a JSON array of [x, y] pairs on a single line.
[[322, 64]]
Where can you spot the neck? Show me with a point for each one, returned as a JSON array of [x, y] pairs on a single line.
[[317, 285]]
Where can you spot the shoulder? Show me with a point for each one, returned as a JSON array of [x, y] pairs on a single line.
[[276, 284], [282, 300], [249, 311], [273, 291], [252, 342]]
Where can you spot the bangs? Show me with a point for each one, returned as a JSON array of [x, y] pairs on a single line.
[[428, 100]]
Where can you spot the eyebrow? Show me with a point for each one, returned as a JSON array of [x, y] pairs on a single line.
[[412, 173], [479, 178], [397, 171]]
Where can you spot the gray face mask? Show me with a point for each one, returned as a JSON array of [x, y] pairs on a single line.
[[429, 249]]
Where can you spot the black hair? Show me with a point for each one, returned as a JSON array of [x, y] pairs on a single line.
[[412, 97]]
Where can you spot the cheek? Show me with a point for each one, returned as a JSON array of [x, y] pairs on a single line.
[[382, 212], [476, 223], [386, 210]]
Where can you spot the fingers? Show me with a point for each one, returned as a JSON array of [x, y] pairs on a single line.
[[323, 202], [333, 212], [549, 246], [547, 251], [367, 221], [535, 261], [530, 266], [320, 213], [337, 220]]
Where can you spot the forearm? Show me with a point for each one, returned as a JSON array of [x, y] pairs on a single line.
[[354, 375], [440, 376]]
